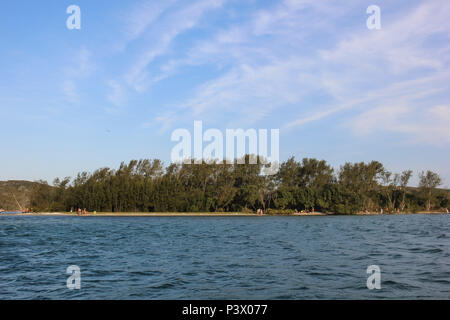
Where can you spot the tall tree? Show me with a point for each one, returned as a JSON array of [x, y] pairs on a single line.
[[361, 178], [428, 182], [404, 179], [388, 187]]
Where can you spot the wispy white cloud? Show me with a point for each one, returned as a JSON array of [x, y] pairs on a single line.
[[160, 38], [253, 92], [273, 61], [142, 15], [162, 122], [81, 64], [116, 94], [78, 68], [401, 44], [405, 93], [260, 74], [367, 70], [422, 126], [68, 88]]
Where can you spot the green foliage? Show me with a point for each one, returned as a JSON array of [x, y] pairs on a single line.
[[310, 184], [428, 182]]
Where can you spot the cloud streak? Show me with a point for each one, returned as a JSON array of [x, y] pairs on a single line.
[[79, 68], [305, 58], [158, 40]]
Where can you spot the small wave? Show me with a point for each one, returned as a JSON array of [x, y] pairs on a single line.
[[391, 284]]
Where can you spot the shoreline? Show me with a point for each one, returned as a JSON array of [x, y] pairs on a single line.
[[204, 214]]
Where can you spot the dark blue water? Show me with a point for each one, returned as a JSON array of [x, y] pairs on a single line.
[[229, 257]]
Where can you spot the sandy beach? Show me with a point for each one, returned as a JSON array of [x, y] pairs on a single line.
[[161, 214], [203, 214]]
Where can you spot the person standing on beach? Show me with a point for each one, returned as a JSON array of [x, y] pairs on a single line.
[[79, 211]]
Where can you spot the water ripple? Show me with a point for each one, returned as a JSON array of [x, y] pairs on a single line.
[[225, 258]]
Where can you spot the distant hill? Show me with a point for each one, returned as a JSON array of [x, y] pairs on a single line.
[[18, 188]]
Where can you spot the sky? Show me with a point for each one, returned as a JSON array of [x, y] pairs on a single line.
[[115, 89]]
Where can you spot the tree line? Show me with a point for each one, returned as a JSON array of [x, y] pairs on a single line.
[[310, 184]]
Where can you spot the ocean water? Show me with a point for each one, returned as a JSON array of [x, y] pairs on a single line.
[[225, 257]]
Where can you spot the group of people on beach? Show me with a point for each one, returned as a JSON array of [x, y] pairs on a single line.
[[260, 212], [82, 212], [304, 211]]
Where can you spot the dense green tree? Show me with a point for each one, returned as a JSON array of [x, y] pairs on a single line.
[[388, 184], [428, 182], [404, 180], [147, 186], [362, 179]]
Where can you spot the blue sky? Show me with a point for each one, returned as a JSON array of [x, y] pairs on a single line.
[[75, 100]]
